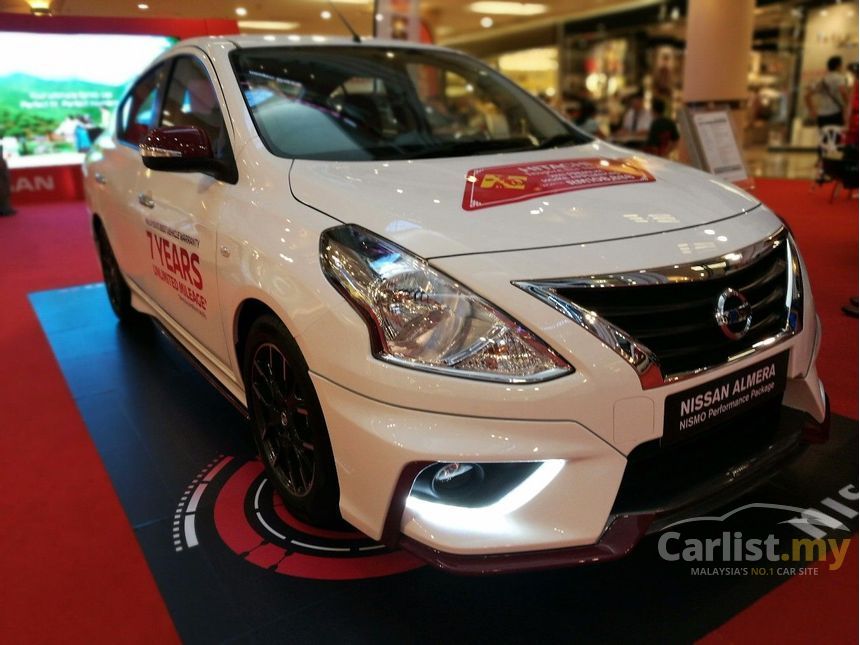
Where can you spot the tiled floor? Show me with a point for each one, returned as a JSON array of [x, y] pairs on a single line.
[[790, 165]]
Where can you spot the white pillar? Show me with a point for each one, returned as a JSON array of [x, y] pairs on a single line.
[[719, 42]]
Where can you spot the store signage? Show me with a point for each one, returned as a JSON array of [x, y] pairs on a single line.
[[33, 184], [397, 20], [496, 185], [45, 184]]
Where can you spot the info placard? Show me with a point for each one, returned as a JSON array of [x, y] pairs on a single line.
[[692, 411], [719, 146]]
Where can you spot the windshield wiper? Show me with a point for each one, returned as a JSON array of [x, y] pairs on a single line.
[[558, 140], [469, 147]]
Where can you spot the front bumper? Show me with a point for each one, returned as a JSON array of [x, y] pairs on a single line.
[[651, 499], [595, 505]]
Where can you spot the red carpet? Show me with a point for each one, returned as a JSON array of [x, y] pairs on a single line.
[[71, 564], [72, 569], [807, 609], [827, 235]]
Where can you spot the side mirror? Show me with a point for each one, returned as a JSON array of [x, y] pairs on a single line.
[[182, 149]]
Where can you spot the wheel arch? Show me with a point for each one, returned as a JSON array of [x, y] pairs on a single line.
[[248, 310], [96, 223]]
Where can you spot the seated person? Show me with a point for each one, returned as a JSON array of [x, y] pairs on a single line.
[[663, 134], [637, 120], [586, 119]]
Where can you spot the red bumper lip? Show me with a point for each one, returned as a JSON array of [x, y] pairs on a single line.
[[617, 541]]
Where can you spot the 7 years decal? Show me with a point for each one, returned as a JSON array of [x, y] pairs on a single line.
[[176, 266]]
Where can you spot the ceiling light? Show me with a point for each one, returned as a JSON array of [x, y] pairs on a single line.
[[266, 25], [142, 6], [502, 8], [325, 15], [486, 22], [40, 7], [241, 11], [544, 59]]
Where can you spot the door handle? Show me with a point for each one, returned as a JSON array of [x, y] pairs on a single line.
[[146, 200], [100, 178]]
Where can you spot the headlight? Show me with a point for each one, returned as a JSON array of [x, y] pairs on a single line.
[[423, 319]]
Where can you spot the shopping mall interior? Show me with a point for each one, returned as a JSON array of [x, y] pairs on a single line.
[[596, 375]]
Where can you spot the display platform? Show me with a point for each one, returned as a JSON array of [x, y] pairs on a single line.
[[232, 564]]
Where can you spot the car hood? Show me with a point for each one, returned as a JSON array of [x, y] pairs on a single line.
[[513, 201]]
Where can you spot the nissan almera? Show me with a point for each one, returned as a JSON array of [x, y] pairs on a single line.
[[454, 321]]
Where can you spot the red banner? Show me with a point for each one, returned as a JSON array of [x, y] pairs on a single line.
[[497, 185], [46, 184]]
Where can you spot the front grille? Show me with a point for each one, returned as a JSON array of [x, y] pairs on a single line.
[[676, 320], [733, 455]]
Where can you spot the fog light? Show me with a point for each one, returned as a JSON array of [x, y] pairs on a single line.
[[484, 495], [454, 477]]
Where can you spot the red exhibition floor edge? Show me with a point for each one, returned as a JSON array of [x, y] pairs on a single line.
[[72, 568]]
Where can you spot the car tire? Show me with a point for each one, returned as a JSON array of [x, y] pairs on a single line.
[[288, 424], [117, 288]]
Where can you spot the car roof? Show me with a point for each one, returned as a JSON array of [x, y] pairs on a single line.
[[245, 41]]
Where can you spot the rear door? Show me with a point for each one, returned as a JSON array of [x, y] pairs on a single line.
[[180, 210]]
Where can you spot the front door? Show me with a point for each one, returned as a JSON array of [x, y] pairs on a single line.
[[180, 212]]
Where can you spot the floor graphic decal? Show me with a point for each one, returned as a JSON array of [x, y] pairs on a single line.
[[252, 521]]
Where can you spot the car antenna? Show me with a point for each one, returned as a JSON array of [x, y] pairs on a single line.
[[355, 37]]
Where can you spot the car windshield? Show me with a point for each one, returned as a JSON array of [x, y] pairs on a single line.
[[367, 102]]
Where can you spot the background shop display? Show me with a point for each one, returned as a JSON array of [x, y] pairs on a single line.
[[534, 69], [603, 60], [53, 107]]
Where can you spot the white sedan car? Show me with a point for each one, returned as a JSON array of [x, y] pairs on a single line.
[[454, 320]]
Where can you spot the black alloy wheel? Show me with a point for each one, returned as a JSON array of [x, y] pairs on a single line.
[[118, 291], [285, 437], [288, 425]]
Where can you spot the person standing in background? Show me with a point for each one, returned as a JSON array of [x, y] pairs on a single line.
[[850, 159], [637, 120], [827, 99], [5, 187], [851, 111]]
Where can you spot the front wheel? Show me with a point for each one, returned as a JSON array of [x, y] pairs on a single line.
[[288, 424], [118, 291]]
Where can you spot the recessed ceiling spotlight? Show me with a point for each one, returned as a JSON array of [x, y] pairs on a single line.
[[241, 11], [267, 25], [504, 8], [325, 15], [40, 7], [486, 22], [143, 6]]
